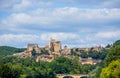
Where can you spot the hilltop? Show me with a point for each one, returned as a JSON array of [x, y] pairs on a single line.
[[8, 50]]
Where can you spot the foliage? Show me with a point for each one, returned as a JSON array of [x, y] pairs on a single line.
[[112, 70], [73, 52], [33, 52], [6, 50], [14, 67], [84, 55], [116, 43], [10, 70], [108, 46], [43, 51], [94, 54], [29, 68], [86, 68], [114, 54], [95, 73], [61, 65], [112, 62]]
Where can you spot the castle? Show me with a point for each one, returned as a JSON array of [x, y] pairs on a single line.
[[28, 52], [54, 50]]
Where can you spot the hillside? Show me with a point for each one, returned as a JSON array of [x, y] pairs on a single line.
[[7, 50]]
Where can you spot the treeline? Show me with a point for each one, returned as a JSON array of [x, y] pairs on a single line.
[[14, 67], [6, 50], [110, 68], [94, 54]]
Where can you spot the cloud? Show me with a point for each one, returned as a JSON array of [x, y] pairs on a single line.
[[59, 36], [108, 35], [28, 5], [111, 3], [6, 4], [62, 17], [18, 40], [93, 3], [93, 24], [69, 39], [22, 5]]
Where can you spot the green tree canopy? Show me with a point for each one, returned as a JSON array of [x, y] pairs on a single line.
[[114, 54], [116, 43], [7, 50], [10, 70], [112, 71]]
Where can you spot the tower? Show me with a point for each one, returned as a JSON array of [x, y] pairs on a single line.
[[54, 46]]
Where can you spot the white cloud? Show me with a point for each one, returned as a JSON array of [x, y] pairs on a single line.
[[44, 17], [6, 39], [59, 36], [22, 5], [26, 5], [55, 17], [69, 39], [108, 35], [97, 3], [21, 40]]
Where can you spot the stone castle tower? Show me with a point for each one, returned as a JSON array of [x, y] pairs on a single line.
[[54, 46]]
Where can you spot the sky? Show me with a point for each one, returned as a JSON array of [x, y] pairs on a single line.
[[76, 23]]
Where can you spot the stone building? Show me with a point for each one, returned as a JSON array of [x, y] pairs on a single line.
[[65, 51], [54, 46], [46, 47], [30, 47], [97, 48], [23, 54], [28, 52], [43, 57], [89, 61]]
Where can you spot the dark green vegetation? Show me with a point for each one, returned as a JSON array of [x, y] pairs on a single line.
[[43, 51], [6, 50], [110, 68], [112, 62], [14, 67], [94, 54]]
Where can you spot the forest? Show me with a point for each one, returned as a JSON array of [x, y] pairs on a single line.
[[15, 67]]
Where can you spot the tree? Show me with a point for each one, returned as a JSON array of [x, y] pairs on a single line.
[[43, 51], [76, 66], [7, 50], [34, 52], [108, 46], [95, 73], [112, 70], [61, 65], [84, 55], [116, 43], [86, 68], [113, 54], [9, 70], [112, 62]]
